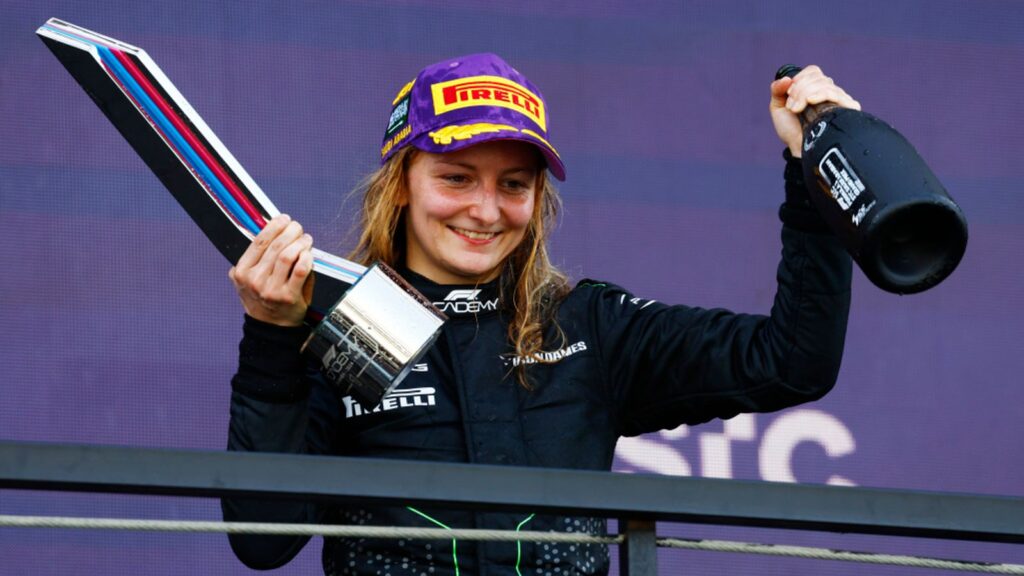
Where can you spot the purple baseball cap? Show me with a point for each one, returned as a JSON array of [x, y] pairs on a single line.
[[465, 101]]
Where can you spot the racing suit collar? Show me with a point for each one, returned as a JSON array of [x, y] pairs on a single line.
[[457, 300]]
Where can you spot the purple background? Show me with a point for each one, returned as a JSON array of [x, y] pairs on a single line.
[[118, 324]]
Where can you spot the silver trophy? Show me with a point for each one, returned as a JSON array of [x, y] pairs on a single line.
[[373, 335], [374, 325]]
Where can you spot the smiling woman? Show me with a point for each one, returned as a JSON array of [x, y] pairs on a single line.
[[529, 371]]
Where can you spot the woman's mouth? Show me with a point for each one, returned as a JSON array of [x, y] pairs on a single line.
[[473, 235]]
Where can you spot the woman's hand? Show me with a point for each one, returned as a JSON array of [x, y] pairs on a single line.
[[790, 96], [273, 277]]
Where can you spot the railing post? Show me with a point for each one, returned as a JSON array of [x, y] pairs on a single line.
[[638, 555]]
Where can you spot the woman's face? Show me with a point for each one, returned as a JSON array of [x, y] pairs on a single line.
[[468, 210]]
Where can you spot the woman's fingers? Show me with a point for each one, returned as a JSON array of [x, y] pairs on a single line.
[[279, 258], [271, 277], [288, 260], [791, 96], [259, 244], [811, 86], [779, 91], [301, 281]]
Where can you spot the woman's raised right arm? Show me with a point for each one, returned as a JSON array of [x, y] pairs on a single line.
[[278, 404]]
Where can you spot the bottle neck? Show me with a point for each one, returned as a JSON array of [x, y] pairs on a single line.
[[812, 113]]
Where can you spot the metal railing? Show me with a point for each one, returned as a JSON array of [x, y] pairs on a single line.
[[637, 501]]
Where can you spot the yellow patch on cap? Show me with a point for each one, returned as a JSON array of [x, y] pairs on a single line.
[[541, 138], [405, 90], [445, 135]]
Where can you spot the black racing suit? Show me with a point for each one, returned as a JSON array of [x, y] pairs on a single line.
[[627, 366]]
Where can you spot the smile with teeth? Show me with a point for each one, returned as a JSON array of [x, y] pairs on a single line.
[[474, 235]]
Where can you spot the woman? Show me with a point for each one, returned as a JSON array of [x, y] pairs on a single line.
[[528, 371]]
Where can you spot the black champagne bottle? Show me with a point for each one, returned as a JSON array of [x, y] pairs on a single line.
[[880, 198]]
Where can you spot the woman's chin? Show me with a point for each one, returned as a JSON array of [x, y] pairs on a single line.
[[474, 273]]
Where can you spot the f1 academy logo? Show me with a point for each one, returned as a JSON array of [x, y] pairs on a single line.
[[464, 301]]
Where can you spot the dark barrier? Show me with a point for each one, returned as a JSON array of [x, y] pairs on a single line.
[[636, 500]]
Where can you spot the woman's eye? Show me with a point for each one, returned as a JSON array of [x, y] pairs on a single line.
[[516, 185], [455, 178]]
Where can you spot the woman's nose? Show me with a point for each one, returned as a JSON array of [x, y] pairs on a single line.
[[485, 207]]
